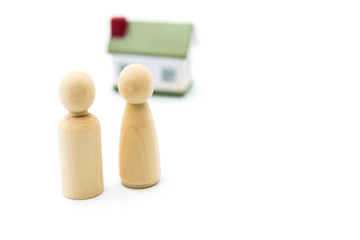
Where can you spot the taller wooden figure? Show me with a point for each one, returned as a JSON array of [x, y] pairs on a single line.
[[138, 153], [79, 139]]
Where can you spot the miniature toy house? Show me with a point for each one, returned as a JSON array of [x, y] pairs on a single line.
[[165, 48]]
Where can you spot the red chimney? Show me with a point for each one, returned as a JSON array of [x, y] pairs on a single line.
[[118, 26]]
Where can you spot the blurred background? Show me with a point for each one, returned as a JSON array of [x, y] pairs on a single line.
[[264, 146]]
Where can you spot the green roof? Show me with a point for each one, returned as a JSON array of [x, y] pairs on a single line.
[[155, 39]]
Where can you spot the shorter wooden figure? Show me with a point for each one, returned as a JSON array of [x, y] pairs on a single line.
[[79, 139], [138, 153]]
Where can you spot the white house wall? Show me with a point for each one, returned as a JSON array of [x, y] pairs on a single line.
[[156, 65]]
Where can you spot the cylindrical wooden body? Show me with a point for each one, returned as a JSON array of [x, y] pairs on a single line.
[[80, 156], [138, 152]]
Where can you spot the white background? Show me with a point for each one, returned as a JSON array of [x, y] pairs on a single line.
[[265, 146]]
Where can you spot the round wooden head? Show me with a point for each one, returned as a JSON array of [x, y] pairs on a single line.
[[136, 84], [77, 92]]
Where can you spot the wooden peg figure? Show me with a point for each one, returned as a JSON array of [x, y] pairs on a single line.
[[138, 153], [79, 139]]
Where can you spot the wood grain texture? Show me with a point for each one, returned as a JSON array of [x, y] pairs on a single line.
[[80, 156], [79, 139], [139, 153]]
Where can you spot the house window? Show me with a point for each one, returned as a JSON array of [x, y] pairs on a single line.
[[168, 74], [122, 66]]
